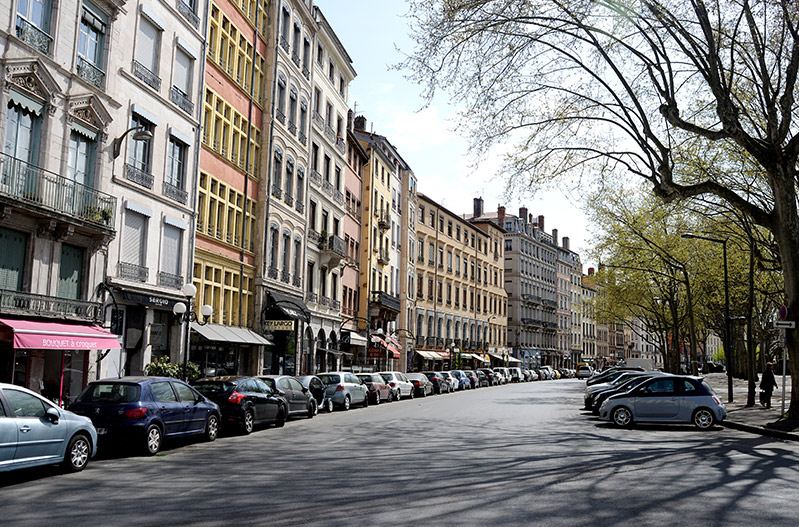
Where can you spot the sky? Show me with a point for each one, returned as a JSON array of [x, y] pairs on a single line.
[[372, 31]]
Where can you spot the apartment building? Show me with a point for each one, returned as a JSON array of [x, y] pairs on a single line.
[[590, 352], [407, 206]]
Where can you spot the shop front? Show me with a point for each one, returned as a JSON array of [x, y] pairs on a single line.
[[282, 324], [50, 358], [225, 350]]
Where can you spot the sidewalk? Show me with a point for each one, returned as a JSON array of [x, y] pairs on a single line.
[[755, 419]]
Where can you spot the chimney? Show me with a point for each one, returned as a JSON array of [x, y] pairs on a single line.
[[478, 207], [350, 120], [500, 214], [541, 222], [555, 236], [530, 218], [360, 123], [590, 271], [523, 214], [566, 242]]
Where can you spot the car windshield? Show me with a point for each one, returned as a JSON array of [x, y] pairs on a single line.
[[110, 393], [366, 378], [214, 387], [387, 377], [330, 379]]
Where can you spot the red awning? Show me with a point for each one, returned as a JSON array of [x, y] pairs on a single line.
[[29, 334], [393, 351]]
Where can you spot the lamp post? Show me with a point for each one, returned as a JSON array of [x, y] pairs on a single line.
[[727, 347], [140, 133], [185, 314]]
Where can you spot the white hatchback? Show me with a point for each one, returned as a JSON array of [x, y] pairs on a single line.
[[399, 382]]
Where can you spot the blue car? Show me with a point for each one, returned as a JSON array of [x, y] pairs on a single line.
[[146, 410], [35, 432], [464, 382]]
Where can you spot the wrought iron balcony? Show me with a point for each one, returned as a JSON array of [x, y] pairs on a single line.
[[327, 186], [31, 304], [272, 273], [288, 199], [170, 280], [382, 256], [335, 305], [302, 137], [33, 186], [299, 206], [340, 145], [138, 176], [292, 128], [324, 301], [183, 101], [318, 120], [313, 235], [431, 341], [420, 340], [296, 281], [456, 343], [276, 191], [34, 36], [135, 272], [550, 303], [90, 72], [330, 133], [285, 276], [143, 73], [280, 116], [188, 13], [316, 178], [385, 300], [295, 58], [384, 220], [338, 196], [176, 193], [311, 298], [284, 43], [306, 72]]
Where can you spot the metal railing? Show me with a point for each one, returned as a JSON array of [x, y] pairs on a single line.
[[324, 301], [188, 13], [272, 273], [340, 145], [299, 206], [173, 281], [284, 43], [143, 73], [303, 139], [296, 281], [288, 199], [35, 186], [280, 116], [183, 101], [135, 272], [382, 256], [295, 58], [43, 305], [330, 133], [90, 72], [34, 36], [335, 305], [312, 298], [276, 191], [285, 276], [292, 128], [313, 235], [176, 193], [319, 120], [327, 186], [316, 178], [335, 244], [138, 176], [338, 196]]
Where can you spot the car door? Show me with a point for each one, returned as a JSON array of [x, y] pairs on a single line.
[[285, 387], [169, 408], [406, 388], [39, 440], [317, 389], [255, 397], [271, 400], [194, 413], [657, 400], [298, 396], [355, 387], [8, 438]]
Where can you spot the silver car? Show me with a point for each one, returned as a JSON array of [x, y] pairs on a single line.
[[666, 399], [34, 432], [399, 383], [344, 389]]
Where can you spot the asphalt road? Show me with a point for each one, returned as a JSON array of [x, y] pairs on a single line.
[[514, 455]]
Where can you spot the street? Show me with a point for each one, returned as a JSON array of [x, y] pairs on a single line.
[[522, 454]]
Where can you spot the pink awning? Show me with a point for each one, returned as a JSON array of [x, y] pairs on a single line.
[[29, 334]]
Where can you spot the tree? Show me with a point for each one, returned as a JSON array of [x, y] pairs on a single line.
[[643, 88]]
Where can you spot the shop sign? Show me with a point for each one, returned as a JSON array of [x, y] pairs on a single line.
[[148, 300], [279, 325], [375, 353]]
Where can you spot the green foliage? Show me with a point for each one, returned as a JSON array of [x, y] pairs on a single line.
[[163, 368], [718, 355]]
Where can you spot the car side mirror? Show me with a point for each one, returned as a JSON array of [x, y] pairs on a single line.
[[304, 389], [52, 415]]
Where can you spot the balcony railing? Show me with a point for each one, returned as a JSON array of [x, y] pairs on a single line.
[[143, 73], [319, 120], [285, 276], [324, 301], [292, 128], [335, 305], [295, 58], [299, 206], [183, 101], [340, 145], [330, 133], [288, 199], [338, 196], [90, 72], [32, 185], [312, 298], [284, 43], [384, 220], [176, 193], [49, 306], [430, 341], [296, 281], [138, 176], [302, 137], [313, 235], [135, 272], [420, 341], [272, 273], [34, 36], [188, 13], [316, 178], [280, 116], [327, 186], [277, 191], [306, 72], [335, 244], [382, 256], [386, 300], [170, 280]]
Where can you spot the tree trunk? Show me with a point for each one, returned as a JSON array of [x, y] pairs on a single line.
[[750, 343]]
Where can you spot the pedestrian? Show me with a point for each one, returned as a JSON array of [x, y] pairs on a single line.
[[767, 385]]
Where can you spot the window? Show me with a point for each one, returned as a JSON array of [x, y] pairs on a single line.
[[176, 164], [37, 13], [310, 277], [273, 243], [134, 238], [277, 169], [12, 259], [139, 153], [70, 278], [181, 73], [281, 98], [331, 71], [91, 38], [320, 54], [80, 164], [22, 133], [300, 185], [303, 117], [24, 404], [171, 255], [306, 54], [293, 109], [297, 252], [148, 42], [286, 249], [289, 176], [163, 392]]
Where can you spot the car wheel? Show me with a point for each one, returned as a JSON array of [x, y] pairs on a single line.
[[211, 428], [78, 452], [377, 397], [153, 438], [346, 405], [410, 395], [704, 419], [248, 423], [390, 396], [280, 420], [365, 400], [313, 409], [622, 417], [329, 405]]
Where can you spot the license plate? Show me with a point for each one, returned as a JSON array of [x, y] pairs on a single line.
[[101, 431]]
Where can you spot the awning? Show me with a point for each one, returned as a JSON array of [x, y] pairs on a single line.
[[430, 355], [475, 356], [30, 334], [290, 306], [512, 359], [232, 334], [356, 339], [394, 351], [495, 356]]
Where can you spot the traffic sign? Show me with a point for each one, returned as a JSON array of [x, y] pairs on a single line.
[[785, 324], [783, 312]]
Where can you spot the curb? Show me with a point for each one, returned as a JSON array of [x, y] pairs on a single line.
[[761, 430]]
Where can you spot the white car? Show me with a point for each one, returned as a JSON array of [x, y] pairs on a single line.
[[399, 383]]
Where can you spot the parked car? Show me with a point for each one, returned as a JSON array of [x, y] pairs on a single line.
[[245, 402], [49, 434], [515, 374], [464, 383], [482, 379], [609, 375], [378, 389], [421, 384], [451, 380], [472, 376], [298, 398], [600, 397], [399, 383], [440, 383], [504, 375], [317, 391], [532, 375], [584, 371], [344, 389], [146, 410], [666, 399], [491, 375], [593, 390]]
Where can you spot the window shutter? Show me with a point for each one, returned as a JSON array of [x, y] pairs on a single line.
[[182, 73], [170, 260], [133, 237], [12, 259], [147, 45], [70, 277]]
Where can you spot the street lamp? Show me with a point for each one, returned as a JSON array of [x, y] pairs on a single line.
[[377, 338], [140, 133], [186, 315], [727, 348]]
